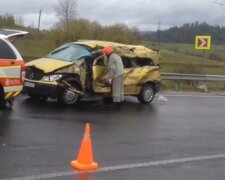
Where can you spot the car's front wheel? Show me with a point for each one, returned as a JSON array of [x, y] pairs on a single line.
[[147, 94], [69, 97]]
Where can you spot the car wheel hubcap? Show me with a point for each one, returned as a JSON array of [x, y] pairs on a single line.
[[70, 97], [148, 95]]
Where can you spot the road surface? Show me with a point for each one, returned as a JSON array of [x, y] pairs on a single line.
[[183, 138]]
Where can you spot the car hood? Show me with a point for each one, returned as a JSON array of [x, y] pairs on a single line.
[[48, 65]]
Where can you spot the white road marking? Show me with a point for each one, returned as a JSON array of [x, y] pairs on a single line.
[[120, 167], [194, 95]]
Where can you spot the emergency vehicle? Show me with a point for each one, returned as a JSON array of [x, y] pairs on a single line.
[[12, 68]]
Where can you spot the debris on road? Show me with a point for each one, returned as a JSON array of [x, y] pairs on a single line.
[[162, 99]]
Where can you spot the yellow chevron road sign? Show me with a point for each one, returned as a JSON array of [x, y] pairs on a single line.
[[203, 42]]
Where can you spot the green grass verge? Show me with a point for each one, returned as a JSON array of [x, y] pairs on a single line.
[[183, 58]]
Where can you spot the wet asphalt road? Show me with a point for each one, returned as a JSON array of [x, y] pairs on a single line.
[[42, 138]]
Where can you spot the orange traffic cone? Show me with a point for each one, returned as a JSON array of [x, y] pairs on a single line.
[[85, 157]]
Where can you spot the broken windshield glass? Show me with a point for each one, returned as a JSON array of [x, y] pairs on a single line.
[[70, 52]]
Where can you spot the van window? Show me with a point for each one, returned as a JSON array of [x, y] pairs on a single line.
[[6, 51], [136, 62], [144, 62], [129, 62]]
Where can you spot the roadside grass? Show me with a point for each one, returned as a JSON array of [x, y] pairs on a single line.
[[217, 52], [182, 63], [183, 58], [33, 48]]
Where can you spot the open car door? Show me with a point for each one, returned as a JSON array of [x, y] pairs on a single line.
[[8, 51], [100, 75], [7, 33]]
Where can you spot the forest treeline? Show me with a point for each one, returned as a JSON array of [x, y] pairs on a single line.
[[187, 32]]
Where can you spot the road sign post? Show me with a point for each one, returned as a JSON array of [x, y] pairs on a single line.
[[203, 43]]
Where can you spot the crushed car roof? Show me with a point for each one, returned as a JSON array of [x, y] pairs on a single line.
[[122, 49], [94, 44]]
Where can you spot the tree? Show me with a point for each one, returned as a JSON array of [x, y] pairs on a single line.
[[7, 21], [66, 10]]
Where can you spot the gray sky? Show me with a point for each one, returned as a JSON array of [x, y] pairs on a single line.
[[144, 14]]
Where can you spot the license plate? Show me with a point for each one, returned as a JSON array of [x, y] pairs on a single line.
[[29, 84]]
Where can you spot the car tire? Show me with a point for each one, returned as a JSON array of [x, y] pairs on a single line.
[[2, 100], [5, 104], [68, 97], [147, 94], [9, 103]]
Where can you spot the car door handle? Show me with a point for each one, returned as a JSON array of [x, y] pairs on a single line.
[[13, 62]]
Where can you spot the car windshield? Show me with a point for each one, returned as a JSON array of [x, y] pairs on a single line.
[[70, 52]]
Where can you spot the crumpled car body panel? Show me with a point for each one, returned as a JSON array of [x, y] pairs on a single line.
[[48, 65], [134, 78]]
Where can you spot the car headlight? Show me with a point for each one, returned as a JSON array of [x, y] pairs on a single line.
[[51, 78]]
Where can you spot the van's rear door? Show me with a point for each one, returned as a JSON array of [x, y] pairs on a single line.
[[7, 33]]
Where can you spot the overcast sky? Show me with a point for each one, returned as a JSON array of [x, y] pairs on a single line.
[[144, 14]]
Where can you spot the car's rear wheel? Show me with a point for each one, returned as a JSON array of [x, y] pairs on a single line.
[[147, 94], [5, 103], [2, 100], [69, 97], [9, 103]]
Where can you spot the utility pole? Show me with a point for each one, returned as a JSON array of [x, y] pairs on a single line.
[[39, 21]]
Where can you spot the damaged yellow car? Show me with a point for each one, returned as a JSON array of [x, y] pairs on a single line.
[[78, 70]]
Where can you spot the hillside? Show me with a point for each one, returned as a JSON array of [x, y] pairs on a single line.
[[183, 58], [186, 33]]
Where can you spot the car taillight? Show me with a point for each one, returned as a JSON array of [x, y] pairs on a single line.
[[23, 71]]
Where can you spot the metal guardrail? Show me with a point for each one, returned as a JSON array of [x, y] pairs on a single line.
[[192, 77]]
